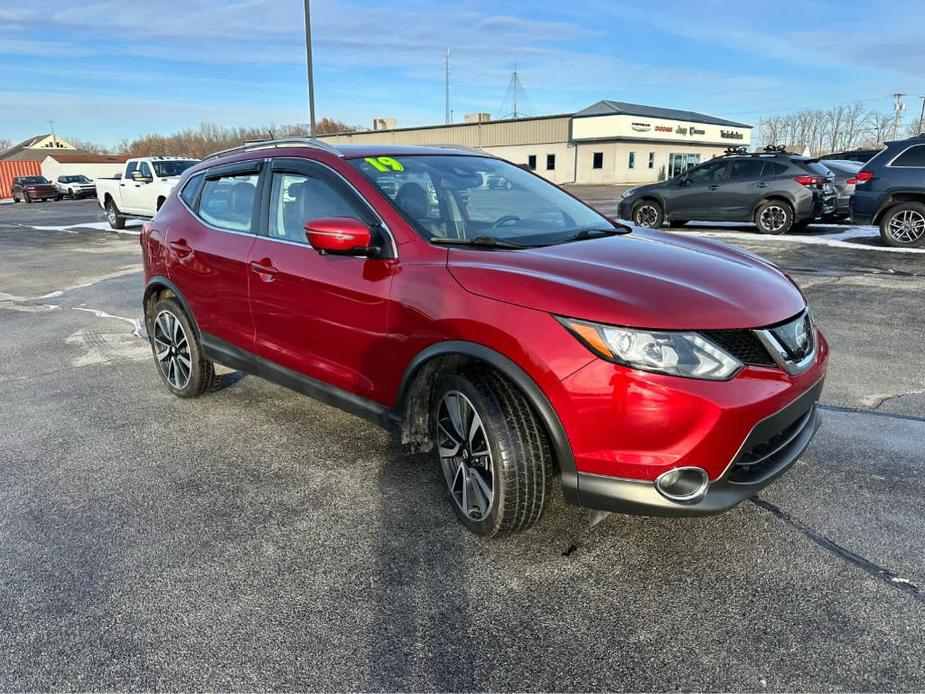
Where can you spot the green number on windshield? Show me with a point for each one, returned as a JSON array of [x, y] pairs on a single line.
[[385, 163]]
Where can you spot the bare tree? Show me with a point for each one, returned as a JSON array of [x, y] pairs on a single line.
[[5, 144]]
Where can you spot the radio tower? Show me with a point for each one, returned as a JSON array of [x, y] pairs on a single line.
[[514, 93]]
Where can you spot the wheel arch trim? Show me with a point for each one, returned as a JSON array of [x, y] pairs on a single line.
[[558, 439], [158, 282]]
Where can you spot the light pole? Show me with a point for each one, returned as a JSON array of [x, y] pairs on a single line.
[[308, 61], [922, 116]]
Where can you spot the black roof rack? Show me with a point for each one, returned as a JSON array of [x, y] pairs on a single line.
[[768, 151]]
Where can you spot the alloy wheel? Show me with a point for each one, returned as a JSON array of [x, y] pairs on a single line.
[[773, 218], [465, 455], [907, 226], [111, 213], [646, 216], [172, 350]]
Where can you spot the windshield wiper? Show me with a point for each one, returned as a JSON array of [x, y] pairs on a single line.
[[595, 233], [483, 241]]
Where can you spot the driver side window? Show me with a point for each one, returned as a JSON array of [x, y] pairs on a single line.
[[296, 199], [708, 173]]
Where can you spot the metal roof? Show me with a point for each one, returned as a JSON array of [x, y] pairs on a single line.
[[606, 107]]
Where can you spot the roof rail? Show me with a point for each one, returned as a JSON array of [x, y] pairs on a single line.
[[277, 142]]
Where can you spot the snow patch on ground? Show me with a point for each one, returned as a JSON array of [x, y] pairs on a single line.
[[847, 238]]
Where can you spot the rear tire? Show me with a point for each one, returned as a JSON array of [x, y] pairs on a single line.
[[177, 352], [903, 225], [116, 221], [648, 214], [774, 217], [27, 199], [492, 450]]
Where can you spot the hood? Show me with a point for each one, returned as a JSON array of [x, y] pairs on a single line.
[[646, 279]]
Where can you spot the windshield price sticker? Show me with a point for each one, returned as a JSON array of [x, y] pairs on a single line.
[[385, 163]]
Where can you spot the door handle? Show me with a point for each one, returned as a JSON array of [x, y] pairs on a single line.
[[761, 185], [181, 248], [264, 266], [713, 187]]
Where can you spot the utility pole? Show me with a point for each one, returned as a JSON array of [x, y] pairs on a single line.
[[898, 109], [446, 84], [922, 116], [311, 75], [51, 124]]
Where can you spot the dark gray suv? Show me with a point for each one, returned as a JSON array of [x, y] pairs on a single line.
[[775, 190]]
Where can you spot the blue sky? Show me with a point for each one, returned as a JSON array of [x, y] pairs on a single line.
[[109, 70]]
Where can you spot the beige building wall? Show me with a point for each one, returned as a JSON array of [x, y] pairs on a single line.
[[616, 156]]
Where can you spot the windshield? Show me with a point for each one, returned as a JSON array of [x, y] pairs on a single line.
[[74, 179], [34, 180], [173, 167], [464, 197]]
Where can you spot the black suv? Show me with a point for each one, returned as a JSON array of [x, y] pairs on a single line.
[[774, 189], [890, 191]]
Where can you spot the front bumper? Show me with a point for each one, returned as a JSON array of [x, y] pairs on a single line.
[[778, 439]]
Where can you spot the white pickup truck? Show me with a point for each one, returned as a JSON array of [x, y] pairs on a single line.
[[141, 189]]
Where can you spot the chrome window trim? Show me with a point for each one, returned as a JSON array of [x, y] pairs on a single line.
[[899, 154]]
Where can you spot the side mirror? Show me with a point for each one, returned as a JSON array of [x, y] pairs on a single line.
[[340, 236], [140, 177]]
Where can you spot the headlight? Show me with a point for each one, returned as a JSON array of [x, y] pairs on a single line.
[[627, 193], [673, 353]]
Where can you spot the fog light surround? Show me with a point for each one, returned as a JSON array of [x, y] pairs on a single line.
[[683, 484]]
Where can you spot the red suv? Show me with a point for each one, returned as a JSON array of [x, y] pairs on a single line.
[[513, 331]]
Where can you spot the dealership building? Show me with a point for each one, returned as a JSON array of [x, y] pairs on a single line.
[[608, 142]]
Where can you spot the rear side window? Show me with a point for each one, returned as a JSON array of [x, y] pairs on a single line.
[[228, 202], [914, 156], [191, 189], [773, 168], [817, 168], [745, 169]]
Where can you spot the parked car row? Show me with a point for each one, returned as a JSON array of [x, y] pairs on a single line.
[[778, 192], [35, 188]]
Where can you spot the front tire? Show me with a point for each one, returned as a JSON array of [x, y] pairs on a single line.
[[774, 217], [177, 352], [648, 214], [116, 221], [492, 451], [903, 226]]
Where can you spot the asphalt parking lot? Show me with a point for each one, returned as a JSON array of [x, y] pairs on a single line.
[[254, 539]]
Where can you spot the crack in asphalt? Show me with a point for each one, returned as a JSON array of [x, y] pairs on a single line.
[[843, 553], [877, 413]]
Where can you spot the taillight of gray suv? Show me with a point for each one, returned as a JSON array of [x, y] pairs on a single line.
[[890, 191], [775, 190]]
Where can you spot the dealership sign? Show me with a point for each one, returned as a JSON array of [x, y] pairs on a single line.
[[624, 126]]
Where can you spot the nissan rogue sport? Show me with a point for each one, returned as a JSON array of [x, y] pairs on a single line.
[[513, 332]]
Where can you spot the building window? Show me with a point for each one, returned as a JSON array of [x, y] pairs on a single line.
[[651, 160], [531, 162], [632, 161], [550, 162], [598, 161]]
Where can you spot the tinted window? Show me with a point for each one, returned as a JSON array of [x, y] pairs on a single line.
[[173, 167], [145, 169], [773, 168], [296, 199], [130, 168], [914, 156], [191, 189], [598, 162], [745, 169], [228, 202], [708, 173], [33, 180], [531, 162], [550, 162]]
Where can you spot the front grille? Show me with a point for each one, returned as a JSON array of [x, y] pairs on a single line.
[[744, 345]]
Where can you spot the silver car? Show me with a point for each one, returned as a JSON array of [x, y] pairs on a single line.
[[844, 172]]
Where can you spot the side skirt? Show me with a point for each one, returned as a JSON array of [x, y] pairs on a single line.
[[233, 357]]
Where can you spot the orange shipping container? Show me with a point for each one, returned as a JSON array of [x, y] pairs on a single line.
[[10, 169]]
